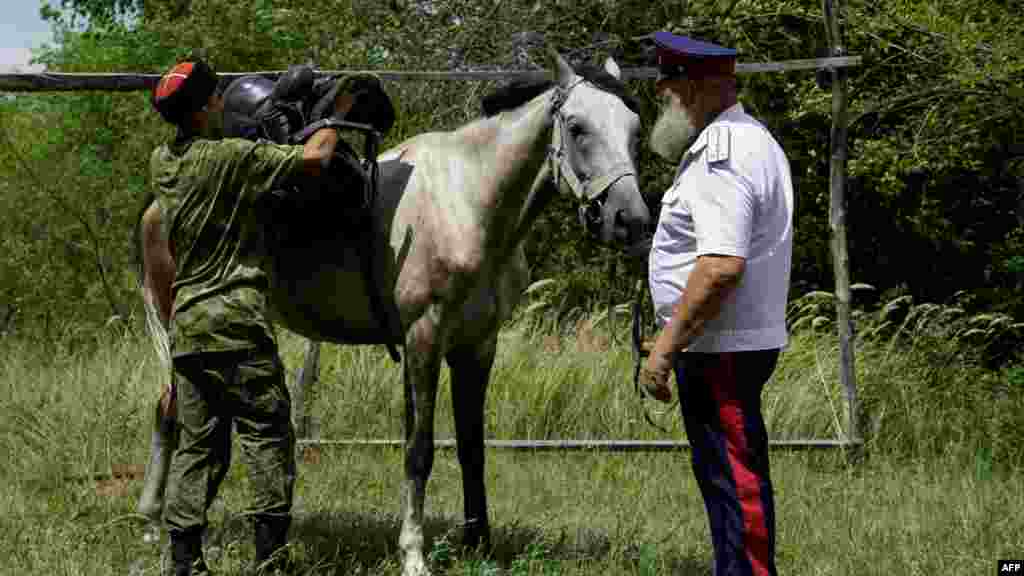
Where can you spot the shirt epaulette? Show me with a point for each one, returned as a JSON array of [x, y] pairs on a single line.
[[718, 144]]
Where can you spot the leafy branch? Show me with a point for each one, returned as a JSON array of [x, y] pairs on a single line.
[[63, 204]]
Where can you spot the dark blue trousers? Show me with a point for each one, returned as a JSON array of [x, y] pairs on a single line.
[[721, 403]]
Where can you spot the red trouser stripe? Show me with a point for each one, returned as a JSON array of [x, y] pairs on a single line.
[[722, 378]]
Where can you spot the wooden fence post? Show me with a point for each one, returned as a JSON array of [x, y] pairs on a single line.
[[837, 221]]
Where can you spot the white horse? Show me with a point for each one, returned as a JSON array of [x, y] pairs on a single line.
[[451, 216]]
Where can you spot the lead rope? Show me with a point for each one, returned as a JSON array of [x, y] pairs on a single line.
[[612, 261], [641, 352]]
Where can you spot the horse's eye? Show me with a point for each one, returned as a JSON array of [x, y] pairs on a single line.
[[576, 129]]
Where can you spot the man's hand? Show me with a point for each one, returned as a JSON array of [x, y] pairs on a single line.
[[316, 153], [711, 281], [655, 373], [319, 149]]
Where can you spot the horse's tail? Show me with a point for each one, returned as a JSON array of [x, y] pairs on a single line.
[[155, 328], [164, 438]]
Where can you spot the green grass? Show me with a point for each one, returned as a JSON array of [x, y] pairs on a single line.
[[937, 493]]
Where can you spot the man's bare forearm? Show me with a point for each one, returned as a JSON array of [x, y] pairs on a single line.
[[712, 281], [320, 147], [318, 150], [159, 268]]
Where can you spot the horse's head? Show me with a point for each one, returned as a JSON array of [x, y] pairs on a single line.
[[595, 138]]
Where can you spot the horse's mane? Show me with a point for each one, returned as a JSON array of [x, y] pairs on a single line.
[[519, 91]]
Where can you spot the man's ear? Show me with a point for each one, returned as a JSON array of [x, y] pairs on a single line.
[[216, 103], [196, 119]]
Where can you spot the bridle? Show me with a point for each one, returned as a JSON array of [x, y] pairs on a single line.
[[592, 191]]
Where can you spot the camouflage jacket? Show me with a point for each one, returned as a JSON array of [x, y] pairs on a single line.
[[207, 191]]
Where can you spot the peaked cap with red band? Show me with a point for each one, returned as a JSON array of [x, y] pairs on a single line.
[[681, 56], [184, 89]]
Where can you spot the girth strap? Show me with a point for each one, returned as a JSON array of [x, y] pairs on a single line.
[[385, 315]]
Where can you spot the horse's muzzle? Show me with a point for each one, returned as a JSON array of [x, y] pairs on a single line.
[[632, 234]]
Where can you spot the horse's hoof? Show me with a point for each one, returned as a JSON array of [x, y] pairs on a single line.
[[151, 534], [480, 542], [415, 567], [476, 536], [137, 568], [150, 507]]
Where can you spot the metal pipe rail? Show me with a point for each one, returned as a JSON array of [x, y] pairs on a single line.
[[575, 445], [129, 82]]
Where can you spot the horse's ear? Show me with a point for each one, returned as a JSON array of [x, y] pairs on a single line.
[[563, 72], [612, 68]]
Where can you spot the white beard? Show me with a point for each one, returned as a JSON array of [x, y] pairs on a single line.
[[674, 130]]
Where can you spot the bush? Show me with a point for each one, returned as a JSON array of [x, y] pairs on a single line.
[[931, 378]]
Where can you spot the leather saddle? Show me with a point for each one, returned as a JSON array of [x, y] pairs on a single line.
[[289, 111]]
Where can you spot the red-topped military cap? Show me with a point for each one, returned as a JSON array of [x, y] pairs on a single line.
[[184, 89], [681, 56]]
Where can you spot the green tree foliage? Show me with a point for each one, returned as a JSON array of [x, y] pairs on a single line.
[[939, 153], [93, 12], [936, 165]]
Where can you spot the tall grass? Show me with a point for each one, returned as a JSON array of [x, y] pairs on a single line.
[[932, 379], [75, 412], [923, 385], [939, 491], [924, 390]]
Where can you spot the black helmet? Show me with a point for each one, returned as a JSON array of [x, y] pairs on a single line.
[[244, 100]]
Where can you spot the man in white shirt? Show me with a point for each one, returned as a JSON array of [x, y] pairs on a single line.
[[719, 277]]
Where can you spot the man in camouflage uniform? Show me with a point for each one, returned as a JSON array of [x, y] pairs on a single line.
[[201, 249]]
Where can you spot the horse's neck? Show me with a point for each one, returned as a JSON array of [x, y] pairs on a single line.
[[517, 156], [541, 193]]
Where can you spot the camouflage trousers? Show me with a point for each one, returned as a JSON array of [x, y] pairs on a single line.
[[214, 391]]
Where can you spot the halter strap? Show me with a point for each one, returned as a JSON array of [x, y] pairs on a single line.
[[591, 189]]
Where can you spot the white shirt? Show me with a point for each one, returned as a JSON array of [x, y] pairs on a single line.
[[732, 196]]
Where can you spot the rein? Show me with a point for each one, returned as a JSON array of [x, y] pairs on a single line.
[[641, 349], [591, 193]]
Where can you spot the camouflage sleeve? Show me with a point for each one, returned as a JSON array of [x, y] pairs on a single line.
[[165, 220], [262, 166], [270, 166]]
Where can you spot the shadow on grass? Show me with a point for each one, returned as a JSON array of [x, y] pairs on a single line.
[[352, 542]]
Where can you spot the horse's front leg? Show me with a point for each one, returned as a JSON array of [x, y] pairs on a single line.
[[422, 366], [470, 372], [162, 444]]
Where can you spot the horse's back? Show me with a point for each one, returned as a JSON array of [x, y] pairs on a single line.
[[417, 227], [319, 241], [322, 244]]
